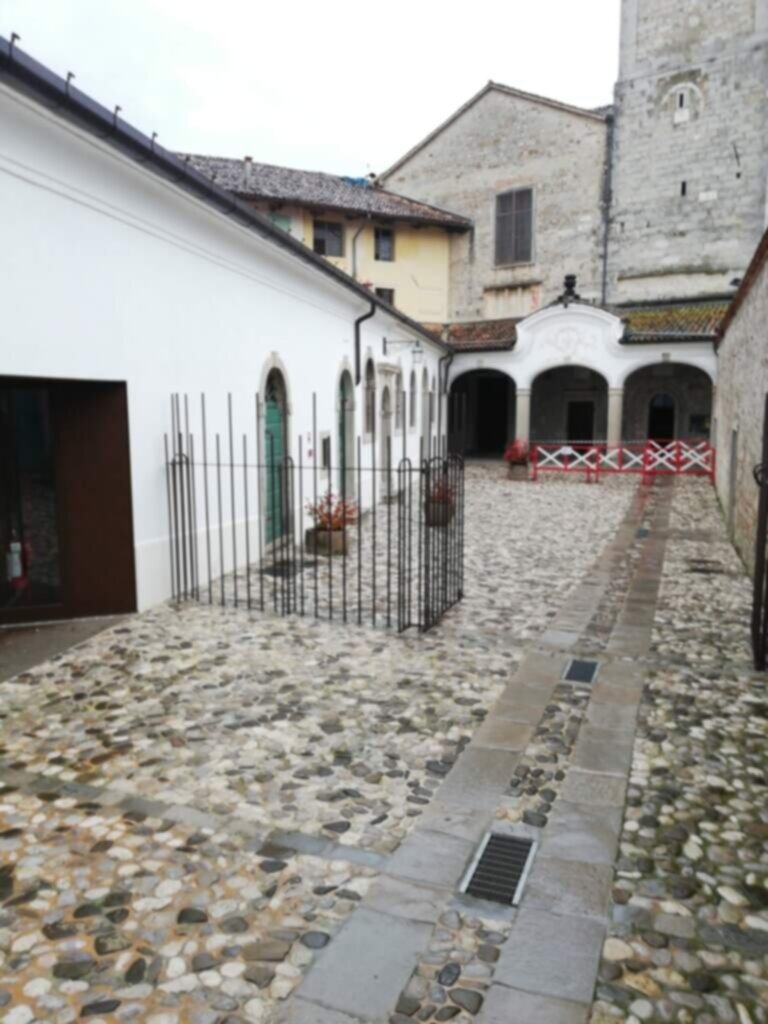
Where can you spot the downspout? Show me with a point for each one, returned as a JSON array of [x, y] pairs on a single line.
[[360, 320], [354, 245], [607, 204], [444, 368]]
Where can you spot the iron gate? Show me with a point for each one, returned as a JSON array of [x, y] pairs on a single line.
[[399, 563], [760, 579]]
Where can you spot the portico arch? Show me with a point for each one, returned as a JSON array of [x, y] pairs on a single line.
[[569, 403], [481, 414], [667, 398]]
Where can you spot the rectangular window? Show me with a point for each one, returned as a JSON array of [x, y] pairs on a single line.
[[281, 221], [514, 226], [325, 452], [328, 238], [388, 294], [384, 244]]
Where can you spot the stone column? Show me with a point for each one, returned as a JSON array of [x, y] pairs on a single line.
[[615, 412], [523, 414]]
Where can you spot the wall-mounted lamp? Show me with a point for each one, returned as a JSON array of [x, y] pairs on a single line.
[[417, 352]]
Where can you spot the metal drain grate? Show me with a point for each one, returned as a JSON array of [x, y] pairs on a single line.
[[499, 869], [581, 671]]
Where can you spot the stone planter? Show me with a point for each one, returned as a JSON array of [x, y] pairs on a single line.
[[517, 471], [439, 513], [326, 542]]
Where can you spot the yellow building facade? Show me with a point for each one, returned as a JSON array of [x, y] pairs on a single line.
[[414, 268]]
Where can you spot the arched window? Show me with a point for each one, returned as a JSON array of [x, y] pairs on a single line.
[[370, 397], [413, 397], [399, 400]]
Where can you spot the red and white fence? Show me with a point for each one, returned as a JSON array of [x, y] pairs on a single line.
[[649, 459]]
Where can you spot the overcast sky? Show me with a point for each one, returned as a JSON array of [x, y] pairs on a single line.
[[340, 86]]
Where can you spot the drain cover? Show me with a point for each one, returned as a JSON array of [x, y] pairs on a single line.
[[500, 868], [581, 671]]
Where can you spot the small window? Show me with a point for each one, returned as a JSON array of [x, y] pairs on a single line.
[[514, 226], [384, 244], [388, 294], [683, 188], [281, 221], [328, 238], [325, 452], [681, 100]]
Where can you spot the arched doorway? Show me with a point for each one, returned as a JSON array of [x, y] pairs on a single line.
[[275, 452], [386, 440], [661, 418], [481, 413], [346, 441], [667, 402], [569, 403]]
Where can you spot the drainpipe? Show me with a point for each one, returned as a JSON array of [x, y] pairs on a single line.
[[354, 245], [360, 320], [607, 203], [444, 368]]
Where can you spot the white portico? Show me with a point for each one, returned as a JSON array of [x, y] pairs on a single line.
[[572, 375]]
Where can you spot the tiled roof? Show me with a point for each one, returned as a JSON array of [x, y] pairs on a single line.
[[320, 191], [479, 335], [684, 321], [646, 324]]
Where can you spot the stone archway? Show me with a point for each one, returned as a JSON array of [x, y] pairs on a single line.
[[569, 403], [481, 413], [667, 397]]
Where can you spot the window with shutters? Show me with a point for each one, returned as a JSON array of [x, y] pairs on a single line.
[[328, 238], [514, 226]]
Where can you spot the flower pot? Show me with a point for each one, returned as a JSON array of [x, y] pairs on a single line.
[[439, 513], [517, 471], [326, 542]]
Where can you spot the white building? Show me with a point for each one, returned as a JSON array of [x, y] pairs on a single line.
[[127, 277]]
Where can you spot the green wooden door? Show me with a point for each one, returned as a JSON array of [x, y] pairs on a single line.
[[275, 451]]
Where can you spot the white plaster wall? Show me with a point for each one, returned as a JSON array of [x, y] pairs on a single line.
[[109, 273]]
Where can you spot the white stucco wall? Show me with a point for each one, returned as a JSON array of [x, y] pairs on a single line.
[[109, 273]]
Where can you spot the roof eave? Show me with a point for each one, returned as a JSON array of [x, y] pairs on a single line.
[[24, 74]]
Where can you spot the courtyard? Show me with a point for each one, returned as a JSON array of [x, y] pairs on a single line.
[[213, 816]]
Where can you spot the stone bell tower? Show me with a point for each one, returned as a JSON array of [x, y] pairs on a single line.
[[690, 147]]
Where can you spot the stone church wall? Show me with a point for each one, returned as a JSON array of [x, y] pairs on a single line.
[[690, 151], [741, 389], [505, 141]]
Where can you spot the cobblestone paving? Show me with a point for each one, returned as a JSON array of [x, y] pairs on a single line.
[[689, 935], [270, 724], [452, 977], [131, 918]]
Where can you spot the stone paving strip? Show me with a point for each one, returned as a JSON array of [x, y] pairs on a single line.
[[545, 970], [688, 938]]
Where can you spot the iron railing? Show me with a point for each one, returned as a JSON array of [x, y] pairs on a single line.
[[241, 533]]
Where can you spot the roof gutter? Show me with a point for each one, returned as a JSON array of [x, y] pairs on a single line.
[[21, 72]]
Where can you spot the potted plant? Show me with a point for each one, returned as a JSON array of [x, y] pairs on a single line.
[[331, 516], [439, 507], [516, 457]]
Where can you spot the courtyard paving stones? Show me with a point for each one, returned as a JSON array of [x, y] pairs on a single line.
[[244, 744], [689, 932]]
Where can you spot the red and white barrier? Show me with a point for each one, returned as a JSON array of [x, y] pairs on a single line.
[[649, 458]]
